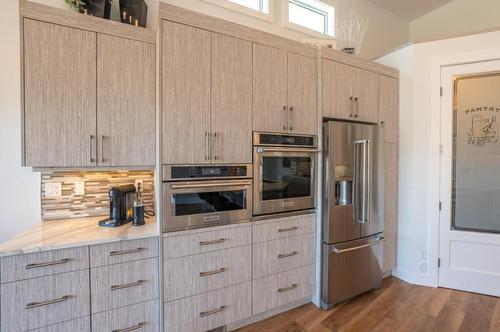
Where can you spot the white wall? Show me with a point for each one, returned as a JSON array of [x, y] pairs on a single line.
[[419, 144], [20, 193]]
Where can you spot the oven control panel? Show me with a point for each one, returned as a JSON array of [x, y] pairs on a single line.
[[284, 140], [200, 172]]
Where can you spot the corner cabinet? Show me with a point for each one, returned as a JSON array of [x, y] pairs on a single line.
[[206, 96], [89, 98], [284, 91], [389, 107]]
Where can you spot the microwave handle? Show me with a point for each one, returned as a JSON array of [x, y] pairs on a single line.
[[262, 150], [212, 184]]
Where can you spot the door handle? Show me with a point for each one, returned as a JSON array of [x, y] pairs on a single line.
[[285, 125], [351, 104], [215, 146], [103, 160], [206, 243], [286, 289], [91, 156], [206, 145], [126, 252], [290, 119], [356, 107], [340, 251]]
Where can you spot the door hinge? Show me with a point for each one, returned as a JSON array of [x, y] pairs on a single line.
[[440, 205], [441, 91], [439, 262]]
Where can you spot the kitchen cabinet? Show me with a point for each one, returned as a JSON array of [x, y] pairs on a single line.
[[389, 107], [125, 102], [349, 93], [89, 98], [390, 205], [59, 95], [207, 95], [284, 91]]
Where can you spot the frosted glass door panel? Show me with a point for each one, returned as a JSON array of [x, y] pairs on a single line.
[[476, 154]]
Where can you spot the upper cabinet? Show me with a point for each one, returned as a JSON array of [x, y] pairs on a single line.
[[89, 98], [389, 107], [349, 93], [284, 91], [206, 97]]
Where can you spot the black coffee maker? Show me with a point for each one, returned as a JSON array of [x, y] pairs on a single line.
[[121, 203]]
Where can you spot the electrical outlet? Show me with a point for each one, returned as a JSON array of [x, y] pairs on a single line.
[[53, 189], [79, 188], [139, 182], [423, 267], [423, 254]]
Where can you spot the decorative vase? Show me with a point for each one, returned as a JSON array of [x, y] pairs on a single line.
[[98, 8], [134, 12]]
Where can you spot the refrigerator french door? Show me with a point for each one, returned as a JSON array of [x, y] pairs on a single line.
[[352, 243]]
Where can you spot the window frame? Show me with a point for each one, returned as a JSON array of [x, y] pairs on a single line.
[[269, 16], [329, 26]]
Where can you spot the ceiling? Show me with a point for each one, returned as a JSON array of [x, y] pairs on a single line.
[[410, 9]]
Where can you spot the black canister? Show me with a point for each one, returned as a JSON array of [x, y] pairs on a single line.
[[138, 213]]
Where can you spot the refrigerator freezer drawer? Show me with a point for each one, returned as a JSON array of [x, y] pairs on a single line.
[[350, 269]]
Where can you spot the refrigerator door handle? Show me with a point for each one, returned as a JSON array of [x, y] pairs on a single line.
[[367, 182], [341, 251], [361, 200]]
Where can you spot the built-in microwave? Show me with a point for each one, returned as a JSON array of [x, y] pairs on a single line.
[[284, 172], [203, 196]]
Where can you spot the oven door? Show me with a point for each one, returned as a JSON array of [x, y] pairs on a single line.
[[284, 179], [197, 204]]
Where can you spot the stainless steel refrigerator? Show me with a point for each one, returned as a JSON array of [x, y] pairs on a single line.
[[352, 248]]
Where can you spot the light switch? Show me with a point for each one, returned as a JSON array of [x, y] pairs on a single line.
[[79, 188], [53, 189]]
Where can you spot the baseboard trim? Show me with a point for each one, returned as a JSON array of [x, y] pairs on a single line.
[[267, 314], [415, 278]]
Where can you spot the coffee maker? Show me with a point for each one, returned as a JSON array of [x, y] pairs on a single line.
[[121, 202]]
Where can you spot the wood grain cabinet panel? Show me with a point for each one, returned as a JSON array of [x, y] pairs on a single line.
[[39, 264], [123, 284], [210, 310], [126, 90], [186, 78], [337, 91], [269, 89], [281, 289], [389, 107], [40, 302], [302, 94], [75, 325], [203, 241], [231, 100], [123, 251], [187, 276], [284, 254], [142, 317], [365, 91], [59, 95], [390, 205], [279, 228]]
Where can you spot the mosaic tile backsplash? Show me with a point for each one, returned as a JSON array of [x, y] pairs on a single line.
[[95, 201]]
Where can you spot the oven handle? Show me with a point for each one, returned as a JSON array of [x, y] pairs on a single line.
[[212, 184], [262, 150]]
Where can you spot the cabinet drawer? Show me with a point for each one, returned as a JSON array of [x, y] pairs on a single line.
[[284, 227], [143, 317], [39, 264], [209, 310], [198, 243], [76, 325], [187, 276], [39, 302], [123, 284], [123, 251], [283, 288], [281, 255]]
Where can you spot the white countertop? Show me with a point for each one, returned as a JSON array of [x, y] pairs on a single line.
[[58, 234]]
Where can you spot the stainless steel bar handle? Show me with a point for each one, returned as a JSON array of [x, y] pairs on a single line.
[[215, 148], [91, 156], [207, 243], [103, 160], [212, 184], [262, 150], [211, 312], [209, 273], [125, 252], [44, 264], [340, 251], [286, 289], [290, 120], [133, 328], [293, 253], [294, 228], [49, 302], [356, 107], [285, 125], [206, 145], [355, 180], [363, 185], [368, 183], [132, 284], [351, 104]]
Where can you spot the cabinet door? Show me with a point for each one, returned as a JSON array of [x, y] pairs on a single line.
[[186, 60], [231, 100], [389, 107], [365, 90], [302, 94], [126, 91], [390, 205], [59, 95], [269, 88], [337, 90]]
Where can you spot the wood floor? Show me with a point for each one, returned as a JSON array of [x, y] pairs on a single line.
[[397, 306]]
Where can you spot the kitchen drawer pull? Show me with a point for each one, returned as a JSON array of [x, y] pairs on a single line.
[[294, 228], [207, 243], [133, 284], [133, 328], [293, 253], [44, 303], [37, 265], [209, 273], [125, 252], [286, 289], [215, 311]]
